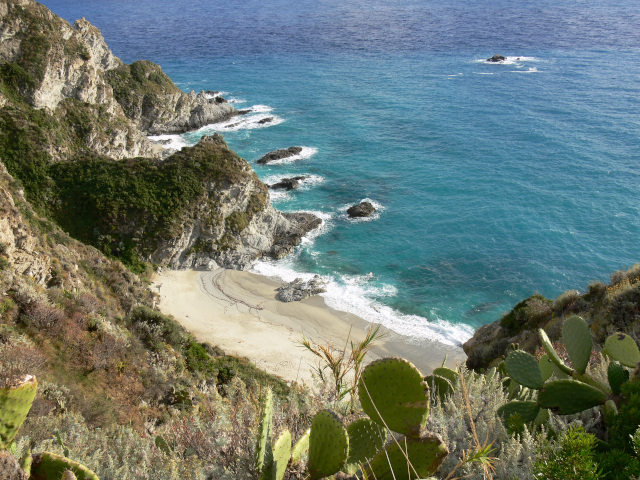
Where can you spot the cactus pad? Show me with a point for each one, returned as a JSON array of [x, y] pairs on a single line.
[[68, 475], [553, 355], [366, 438], [565, 397], [546, 367], [425, 454], [524, 369], [440, 386], [393, 393], [617, 375], [577, 340], [447, 373], [281, 453], [47, 465], [16, 398], [328, 445], [263, 443], [526, 411], [301, 446], [542, 418], [623, 348]]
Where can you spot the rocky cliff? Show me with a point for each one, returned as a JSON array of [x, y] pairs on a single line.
[[606, 308], [69, 109]]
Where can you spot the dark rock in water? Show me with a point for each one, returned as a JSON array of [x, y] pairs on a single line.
[[364, 209], [279, 154], [265, 120], [288, 183], [299, 289], [245, 111], [496, 58]]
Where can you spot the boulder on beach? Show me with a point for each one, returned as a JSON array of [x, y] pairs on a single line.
[[299, 289], [288, 183], [496, 58], [363, 209], [280, 154]]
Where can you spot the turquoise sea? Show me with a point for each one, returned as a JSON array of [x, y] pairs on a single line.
[[493, 181]]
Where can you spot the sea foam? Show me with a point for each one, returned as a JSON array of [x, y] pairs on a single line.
[[357, 294], [173, 142]]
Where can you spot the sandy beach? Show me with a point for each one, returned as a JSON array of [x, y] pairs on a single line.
[[238, 312]]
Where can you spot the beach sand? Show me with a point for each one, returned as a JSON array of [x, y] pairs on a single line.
[[238, 312]]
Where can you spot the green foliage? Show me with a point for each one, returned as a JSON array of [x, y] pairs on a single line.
[[623, 348], [198, 359], [366, 438], [571, 458], [153, 328], [618, 465], [527, 313], [49, 466], [623, 426]]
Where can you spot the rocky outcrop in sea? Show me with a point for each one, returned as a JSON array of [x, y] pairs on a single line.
[[362, 209], [279, 155], [288, 183]]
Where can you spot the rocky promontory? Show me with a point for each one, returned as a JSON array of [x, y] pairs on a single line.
[[279, 155], [77, 119]]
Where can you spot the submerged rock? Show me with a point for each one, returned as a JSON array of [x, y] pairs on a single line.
[[299, 289], [288, 183], [280, 154], [363, 209], [497, 58]]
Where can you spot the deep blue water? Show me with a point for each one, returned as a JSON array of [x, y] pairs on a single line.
[[495, 181]]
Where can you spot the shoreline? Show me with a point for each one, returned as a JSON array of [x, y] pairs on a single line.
[[237, 311]]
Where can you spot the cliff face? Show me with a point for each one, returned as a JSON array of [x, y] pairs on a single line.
[[69, 108]]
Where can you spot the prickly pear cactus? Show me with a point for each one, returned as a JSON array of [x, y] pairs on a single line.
[[623, 348], [524, 369], [263, 444], [366, 438], [617, 375], [527, 411], [393, 393], [25, 462], [576, 337], [565, 397], [328, 445], [553, 355], [68, 475], [440, 385], [47, 466], [546, 367], [281, 454], [447, 373], [16, 398], [425, 454], [301, 446]]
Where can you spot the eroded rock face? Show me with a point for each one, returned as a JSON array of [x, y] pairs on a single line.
[[246, 227], [280, 154], [363, 209]]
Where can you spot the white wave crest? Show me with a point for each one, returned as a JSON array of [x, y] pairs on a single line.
[[236, 100], [245, 122], [508, 60], [215, 94], [354, 294], [261, 108], [529, 70], [309, 181], [173, 142]]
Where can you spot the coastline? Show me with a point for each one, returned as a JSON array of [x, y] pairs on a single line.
[[237, 311]]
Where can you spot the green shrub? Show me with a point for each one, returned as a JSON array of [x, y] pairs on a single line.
[[623, 425], [153, 328], [198, 360], [570, 458]]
